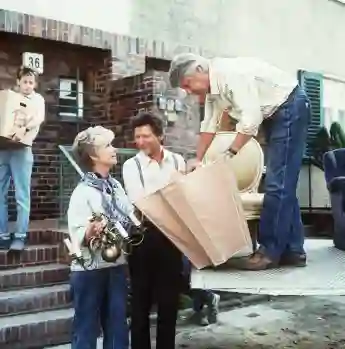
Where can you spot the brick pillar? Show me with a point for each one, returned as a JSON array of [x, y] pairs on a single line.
[[101, 82], [128, 96]]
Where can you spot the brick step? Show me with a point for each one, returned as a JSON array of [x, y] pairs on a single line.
[[36, 330], [32, 255], [33, 276], [37, 237], [34, 299]]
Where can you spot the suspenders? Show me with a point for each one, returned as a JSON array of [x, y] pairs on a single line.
[[140, 170]]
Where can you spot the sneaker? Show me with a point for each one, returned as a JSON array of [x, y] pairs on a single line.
[[213, 308], [199, 318], [5, 242], [18, 244]]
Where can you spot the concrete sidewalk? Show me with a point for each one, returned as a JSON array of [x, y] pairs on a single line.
[[227, 303]]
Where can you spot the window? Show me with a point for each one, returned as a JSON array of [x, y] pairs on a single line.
[[341, 117], [71, 99], [327, 117]]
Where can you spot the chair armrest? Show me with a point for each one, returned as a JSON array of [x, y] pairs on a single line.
[[337, 184]]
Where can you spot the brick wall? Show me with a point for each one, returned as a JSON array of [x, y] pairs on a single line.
[[60, 59], [126, 97], [111, 103], [122, 100]]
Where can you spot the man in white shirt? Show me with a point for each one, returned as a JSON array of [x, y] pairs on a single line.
[[155, 265], [253, 91]]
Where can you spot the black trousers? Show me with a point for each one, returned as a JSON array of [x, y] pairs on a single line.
[[156, 274]]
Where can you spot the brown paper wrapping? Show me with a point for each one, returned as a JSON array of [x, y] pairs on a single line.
[[202, 214], [163, 216]]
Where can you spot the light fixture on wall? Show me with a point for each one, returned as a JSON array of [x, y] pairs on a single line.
[[170, 107], [162, 103]]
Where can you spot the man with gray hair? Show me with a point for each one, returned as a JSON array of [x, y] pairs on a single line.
[[255, 92]]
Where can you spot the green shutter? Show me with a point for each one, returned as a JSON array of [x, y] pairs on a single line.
[[312, 83]]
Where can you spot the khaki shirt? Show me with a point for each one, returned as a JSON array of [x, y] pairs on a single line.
[[250, 89]]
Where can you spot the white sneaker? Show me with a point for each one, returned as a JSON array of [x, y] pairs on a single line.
[[213, 309]]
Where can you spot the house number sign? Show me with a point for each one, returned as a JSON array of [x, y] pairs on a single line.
[[33, 61]]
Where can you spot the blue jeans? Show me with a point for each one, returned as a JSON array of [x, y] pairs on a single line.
[[199, 297], [16, 164], [100, 301], [281, 228]]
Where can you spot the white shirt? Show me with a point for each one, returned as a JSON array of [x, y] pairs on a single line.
[[37, 104], [156, 175], [250, 89]]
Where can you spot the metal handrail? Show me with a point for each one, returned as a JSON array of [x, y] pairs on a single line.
[[71, 160]]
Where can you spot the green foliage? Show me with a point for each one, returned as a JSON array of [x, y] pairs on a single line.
[[326, 141], [337, 136]]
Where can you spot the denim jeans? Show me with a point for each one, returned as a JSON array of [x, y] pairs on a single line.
[[16, 164], [100, 301], [199, 297], [281, 228]]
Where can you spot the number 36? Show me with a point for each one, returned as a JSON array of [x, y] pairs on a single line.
[[34, 63]]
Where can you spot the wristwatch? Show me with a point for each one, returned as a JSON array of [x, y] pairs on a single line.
[[231, 152]]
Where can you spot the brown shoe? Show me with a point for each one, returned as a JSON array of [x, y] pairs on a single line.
[[258, 261], [298, 260]]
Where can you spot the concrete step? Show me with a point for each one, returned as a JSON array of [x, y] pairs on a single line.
[[36, 330], [32, 255], [34, 299], [33, 276]]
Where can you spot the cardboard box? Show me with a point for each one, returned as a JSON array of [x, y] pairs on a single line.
[[15, 112], [202, 214]]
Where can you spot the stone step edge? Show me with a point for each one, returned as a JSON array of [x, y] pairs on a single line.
[[35, 269], [8, 316], [63, 340], [39, 329], [18, 288], [29, 296], [9, 265]]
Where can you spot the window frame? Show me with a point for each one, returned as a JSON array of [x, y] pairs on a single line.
[[80, 108]]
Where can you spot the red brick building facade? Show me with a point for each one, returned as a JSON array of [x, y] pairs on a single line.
[[107, 101]]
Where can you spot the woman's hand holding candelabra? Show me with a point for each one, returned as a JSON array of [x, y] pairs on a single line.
[[109, 237]]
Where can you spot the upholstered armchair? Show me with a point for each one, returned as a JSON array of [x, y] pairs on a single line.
[[248, 166], [334, 166]]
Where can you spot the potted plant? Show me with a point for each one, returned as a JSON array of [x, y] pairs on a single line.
[[326, 141]]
